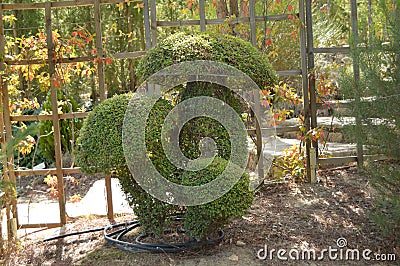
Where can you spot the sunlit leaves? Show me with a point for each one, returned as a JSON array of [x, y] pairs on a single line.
[[25, 146]]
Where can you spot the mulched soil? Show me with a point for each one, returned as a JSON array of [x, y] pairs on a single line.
[[289, 215]]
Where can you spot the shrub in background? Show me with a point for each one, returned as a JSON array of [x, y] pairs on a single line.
[[46, 141]]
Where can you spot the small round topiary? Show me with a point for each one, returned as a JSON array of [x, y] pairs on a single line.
[[100, 150], [99, 146]]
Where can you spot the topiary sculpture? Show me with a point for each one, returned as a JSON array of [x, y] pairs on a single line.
[[100, 142]]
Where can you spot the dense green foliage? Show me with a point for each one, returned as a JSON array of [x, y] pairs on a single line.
[[220, 48], [379, 114], [99, 146], [100, 150], [204, 220]]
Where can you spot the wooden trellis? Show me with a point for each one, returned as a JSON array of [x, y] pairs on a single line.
[[151, 24]]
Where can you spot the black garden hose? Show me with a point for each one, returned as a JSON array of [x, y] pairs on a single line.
[[139, 245]]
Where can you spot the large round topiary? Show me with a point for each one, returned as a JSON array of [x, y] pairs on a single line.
[[220, 48]]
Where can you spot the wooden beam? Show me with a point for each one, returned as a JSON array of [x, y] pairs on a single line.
[[48, 171], [125, 55], [295, 72], [153, 22], [253, 27], [44, 61], [54, 109], [311, 87], [146, 21], [48, 117], [277, 130], [6, 134], [197, 22], [358, 92], [110, 210], [332, 50], [304, 77], [9, 166], [337, 160], [25, 6], [129, 55], [202, 13], [45, 225]]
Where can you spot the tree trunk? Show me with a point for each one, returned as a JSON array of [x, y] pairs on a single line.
[[244, 8], [222, 9], [233, 8]]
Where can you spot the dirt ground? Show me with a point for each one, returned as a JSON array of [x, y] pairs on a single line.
[[33, 189], [284, 216]]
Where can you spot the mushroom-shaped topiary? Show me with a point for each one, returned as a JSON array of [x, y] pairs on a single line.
[[100, 144]]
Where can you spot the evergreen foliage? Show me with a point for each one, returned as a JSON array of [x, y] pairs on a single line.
[[379, 112]]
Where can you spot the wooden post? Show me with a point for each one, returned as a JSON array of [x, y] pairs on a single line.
[[153, 22], [146, 18], [257, 104], [8, 167], [356, 73], [110, 210], [304, 78], [55, 117], [102, 91], [99, 49], [311, 89], [7, 161], [253, 29], [202, 11], [259, 139]]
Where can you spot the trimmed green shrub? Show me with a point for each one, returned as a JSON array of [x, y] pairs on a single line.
[[220, 48], [100, 144], [203, 220], [46, 142]]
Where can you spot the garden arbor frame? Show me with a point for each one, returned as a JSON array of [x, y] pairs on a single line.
[[307, 51]]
